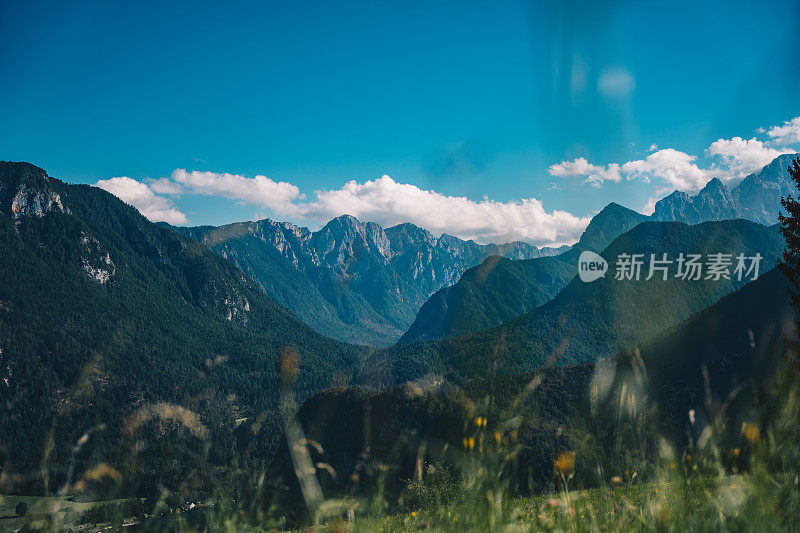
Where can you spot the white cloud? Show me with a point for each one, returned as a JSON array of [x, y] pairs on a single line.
[[594, 174], [650, 207], [789, 133], [742, 157], [728, 159], [388, 202], [616, 82], [165, 186], [156, 208], [382, 200], [674, 168], [260, 190]]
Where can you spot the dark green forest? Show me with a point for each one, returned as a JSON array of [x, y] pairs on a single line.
[[175, 330]]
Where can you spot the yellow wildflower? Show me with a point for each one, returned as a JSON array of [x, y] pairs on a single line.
[[751, 432], [565, 463]]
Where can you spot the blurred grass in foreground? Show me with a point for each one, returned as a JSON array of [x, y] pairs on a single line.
[[704, 487]]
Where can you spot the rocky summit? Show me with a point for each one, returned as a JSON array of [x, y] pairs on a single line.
[[352, 280], [757, 197]]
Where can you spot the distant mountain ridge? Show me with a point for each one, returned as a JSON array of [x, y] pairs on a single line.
[[352, 280], [757, 197], [500, 289], [361, 283], [587, 321]]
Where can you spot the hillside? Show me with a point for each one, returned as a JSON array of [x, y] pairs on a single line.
[[500, 289], [737, 341], [351, 280], [588, 321], [106, 318]]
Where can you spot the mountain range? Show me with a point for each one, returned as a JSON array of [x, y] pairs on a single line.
[[159, 343], [588, 321], [498, 290], [351, 280], [358, 282], [757, 197]]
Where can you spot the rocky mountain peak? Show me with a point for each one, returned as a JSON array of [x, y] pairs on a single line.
[[757, 197], [715, 186], [607, 225], [27, 190], [345, 238], [407, 234]]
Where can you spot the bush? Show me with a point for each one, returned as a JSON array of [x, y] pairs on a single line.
[[21, 509]]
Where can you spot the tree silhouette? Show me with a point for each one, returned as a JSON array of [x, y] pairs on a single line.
[[790, 228]]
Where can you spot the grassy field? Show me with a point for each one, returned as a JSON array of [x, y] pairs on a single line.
[[39, 508], [700, 504]]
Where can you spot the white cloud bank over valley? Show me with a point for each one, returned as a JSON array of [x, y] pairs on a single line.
[[389, 202], [382, 200]]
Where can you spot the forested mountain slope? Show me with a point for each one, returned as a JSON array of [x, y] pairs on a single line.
[[720, 363], [589, 321], [106, 318], [500, 289]]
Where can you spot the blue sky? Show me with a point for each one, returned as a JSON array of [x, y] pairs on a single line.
[[466, 105]]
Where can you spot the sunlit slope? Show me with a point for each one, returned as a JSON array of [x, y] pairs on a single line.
[[501, 289], [588, 321]]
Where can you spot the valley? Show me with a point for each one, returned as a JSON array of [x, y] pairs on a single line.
[[167, 354]]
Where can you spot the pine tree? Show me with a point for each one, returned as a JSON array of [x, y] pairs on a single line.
[[790, 228]]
